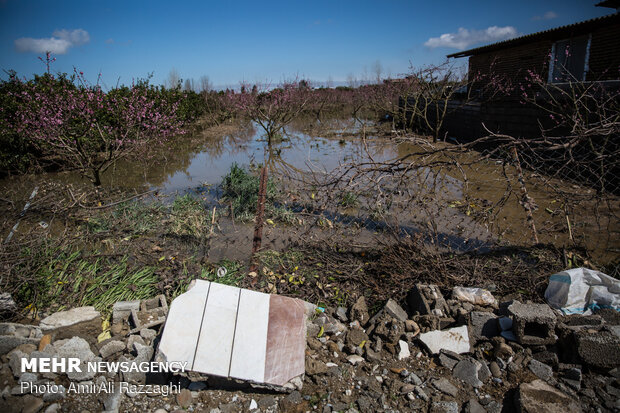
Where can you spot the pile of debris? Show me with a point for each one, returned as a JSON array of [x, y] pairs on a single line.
[[441, 351], [467, 353]]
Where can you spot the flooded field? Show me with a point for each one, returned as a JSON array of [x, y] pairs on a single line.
[[471, 206]]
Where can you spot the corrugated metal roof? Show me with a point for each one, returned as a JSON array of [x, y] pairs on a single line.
[[605, 20], [612, 4]]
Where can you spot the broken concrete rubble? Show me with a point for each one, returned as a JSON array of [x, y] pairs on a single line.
[[395, 310], [13, 335], [454, 339], [448, 358], [359, 311], [388, 328], [363, 369], [122, 310], [7, 304], [152, 313], [77, 347], [472, 371], [483, 325], [403, 352], [598, 348], [533, 324], [69, 318], [541, 370], [231, 332], [427, 299], [538, 396], [111, 347]]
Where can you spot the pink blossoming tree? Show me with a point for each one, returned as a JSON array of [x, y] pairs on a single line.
[[82, 126], [271, 109]]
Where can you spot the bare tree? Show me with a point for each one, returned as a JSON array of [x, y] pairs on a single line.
[[365, 76], [351, 80], [189, 85], [205, 84], [174, 79], [377, 69], [330, 82]]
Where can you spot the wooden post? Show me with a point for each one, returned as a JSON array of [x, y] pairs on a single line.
[[260, 212]]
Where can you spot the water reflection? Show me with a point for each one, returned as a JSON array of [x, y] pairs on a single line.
[[205, 156]]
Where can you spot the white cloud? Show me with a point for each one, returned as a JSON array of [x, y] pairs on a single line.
[[464, 38], [60, 42], [76, 37], [547, 16]]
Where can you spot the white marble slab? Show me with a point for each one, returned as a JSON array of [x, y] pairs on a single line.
[[250, 346], [214, 349], [183, 324], [230, 332]]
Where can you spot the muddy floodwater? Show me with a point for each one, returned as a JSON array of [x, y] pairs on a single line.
[[196, 163]]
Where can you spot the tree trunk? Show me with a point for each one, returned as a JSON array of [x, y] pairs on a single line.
[[96, 177], [526, 201], [260, 212]]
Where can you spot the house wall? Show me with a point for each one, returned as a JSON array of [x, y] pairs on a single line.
[[604, 59], [465, 120], [513, 63]]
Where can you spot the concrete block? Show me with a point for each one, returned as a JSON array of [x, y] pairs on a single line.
[[599, 349], [483, 325], [533, 324], [122, 309]]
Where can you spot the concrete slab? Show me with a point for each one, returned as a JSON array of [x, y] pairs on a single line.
[[286, 340], [69, 318], [231, 332], [249, 350], [183, 327], [215, 342]]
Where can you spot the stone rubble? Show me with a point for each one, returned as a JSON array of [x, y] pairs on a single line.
[[433, 355], [69, 318]]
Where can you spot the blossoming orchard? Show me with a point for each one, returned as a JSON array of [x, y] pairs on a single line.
[[82, 126]]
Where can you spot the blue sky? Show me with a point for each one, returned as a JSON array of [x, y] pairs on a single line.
[[259, 41]]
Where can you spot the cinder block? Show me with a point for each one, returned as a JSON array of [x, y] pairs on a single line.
[[533, 324]]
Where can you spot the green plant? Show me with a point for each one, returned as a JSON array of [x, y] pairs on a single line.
[[189, 217], [140, 217], [240, 192], [66, 276], [97, 225], [349, 199]]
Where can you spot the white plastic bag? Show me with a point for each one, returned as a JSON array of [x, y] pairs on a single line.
[[580, 290], [478, 296]]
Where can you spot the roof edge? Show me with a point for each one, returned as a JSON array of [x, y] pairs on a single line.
[[532, 36]]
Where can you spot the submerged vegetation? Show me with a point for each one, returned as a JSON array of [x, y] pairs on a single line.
[[240, 194], [133, 250], [240, 191]]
